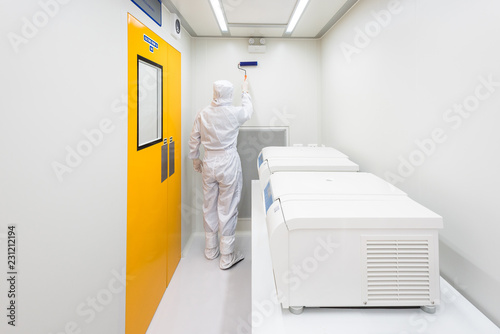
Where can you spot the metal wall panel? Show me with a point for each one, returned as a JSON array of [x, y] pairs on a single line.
[[251, 140]]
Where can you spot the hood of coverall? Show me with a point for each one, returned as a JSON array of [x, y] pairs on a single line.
[[223, 93]]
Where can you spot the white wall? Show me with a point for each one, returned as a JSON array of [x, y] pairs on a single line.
[[285, 86], [398, 85], [67, 77]]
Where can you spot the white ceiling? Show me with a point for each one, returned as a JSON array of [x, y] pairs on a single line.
[[259, 18]]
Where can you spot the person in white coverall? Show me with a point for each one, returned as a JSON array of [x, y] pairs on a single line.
[[217, 127]]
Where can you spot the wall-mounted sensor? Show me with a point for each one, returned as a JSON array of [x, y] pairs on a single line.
[[257, 45], [175, 26]]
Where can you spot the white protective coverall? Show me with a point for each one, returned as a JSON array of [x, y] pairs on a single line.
[[217, 127]]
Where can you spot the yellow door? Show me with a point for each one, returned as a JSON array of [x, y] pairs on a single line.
[[153, 194], [174, 180]]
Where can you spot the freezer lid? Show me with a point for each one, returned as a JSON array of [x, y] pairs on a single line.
[[304, 152], [320, 184], [391, 212], [312, 164]]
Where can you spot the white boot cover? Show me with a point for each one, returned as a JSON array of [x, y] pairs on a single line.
[[211, 245], [229, 257]]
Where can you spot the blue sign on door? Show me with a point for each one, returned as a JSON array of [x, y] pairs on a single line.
[[152, 44]]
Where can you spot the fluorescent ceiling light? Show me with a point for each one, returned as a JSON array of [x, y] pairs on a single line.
[[219, 15], [296, 15]]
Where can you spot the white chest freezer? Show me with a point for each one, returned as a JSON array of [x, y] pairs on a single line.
[[331, 247], [287, 159], [332, 184]]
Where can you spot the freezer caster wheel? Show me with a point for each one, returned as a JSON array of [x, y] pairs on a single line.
[[296, 309], [428, 309]]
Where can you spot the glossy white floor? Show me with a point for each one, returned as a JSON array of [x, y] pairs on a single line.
[[201, 298]]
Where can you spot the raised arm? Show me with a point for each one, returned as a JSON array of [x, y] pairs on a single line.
[[246, 104]]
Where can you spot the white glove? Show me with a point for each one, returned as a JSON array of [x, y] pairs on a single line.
[[244, 86], [197, 165]]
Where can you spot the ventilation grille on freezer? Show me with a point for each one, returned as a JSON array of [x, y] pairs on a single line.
[[397, 272]]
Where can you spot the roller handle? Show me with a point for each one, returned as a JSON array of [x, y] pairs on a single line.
[[246, 63]]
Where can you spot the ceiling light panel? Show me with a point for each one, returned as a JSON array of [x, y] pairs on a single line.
[[257, 12], [219, 15], [318, 15], [297, 15]]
